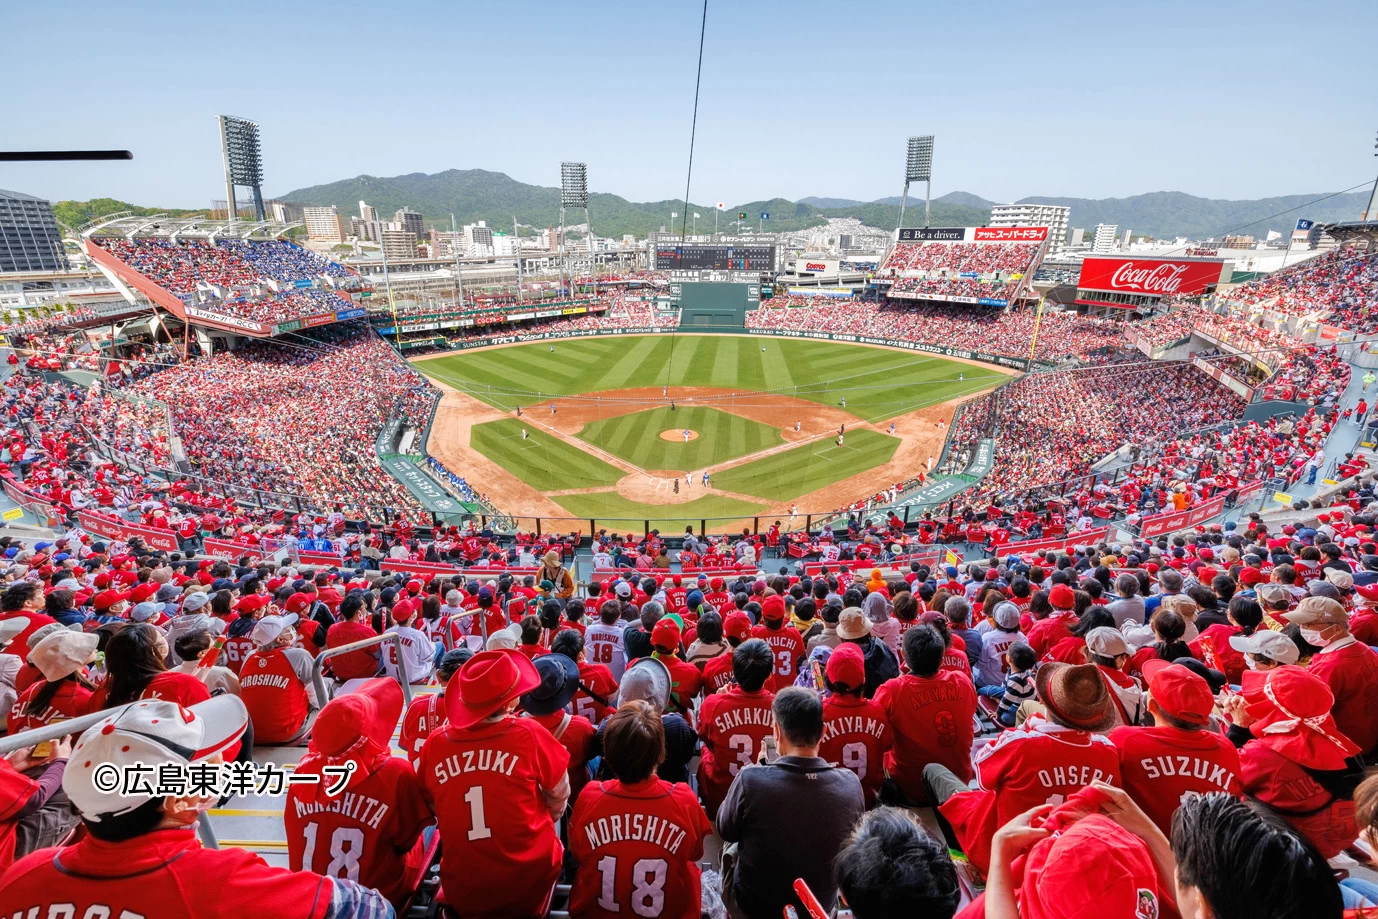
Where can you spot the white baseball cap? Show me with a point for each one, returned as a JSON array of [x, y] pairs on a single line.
[[151, 732], [267, 629], [1273, 645]]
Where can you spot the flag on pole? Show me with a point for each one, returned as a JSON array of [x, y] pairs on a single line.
[[741, 215], [673, 215], [696, 216], [721, 205], [765, 216]]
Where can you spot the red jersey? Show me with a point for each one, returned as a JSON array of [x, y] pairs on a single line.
[[932, 718], [19, 646], [15, 791], [1045, 633], [352, 665], [717, 674], [1351, 672], [274, 695], [364, 832], [1041, 763], [1162, 765], [686, 681], [484, 785], [1231, 661], [856, 736], [70, 700], [236, 650], [789, 648], [598, 678], [575, 734], [638, 848], [424, 715], [1363, 625], [1287, 788], [169, 686], [165, 874], [733, 726]]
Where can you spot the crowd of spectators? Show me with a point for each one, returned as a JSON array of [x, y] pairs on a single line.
[[958, 257], [1170, 327], [1339, 288]]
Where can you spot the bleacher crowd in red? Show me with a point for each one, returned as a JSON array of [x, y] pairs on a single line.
[[1339, 288]]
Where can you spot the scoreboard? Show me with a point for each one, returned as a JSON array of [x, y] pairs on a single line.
[[672, 257]]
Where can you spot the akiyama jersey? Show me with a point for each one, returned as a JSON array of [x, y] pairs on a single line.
[[789, 649], [484, 785], [603, 645], [1162, 765], [856, 736], [638, 848], [370, 833], [733, 726]]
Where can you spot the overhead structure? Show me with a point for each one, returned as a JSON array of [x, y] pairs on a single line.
[[918, 167], [574, 192], [243, 162]]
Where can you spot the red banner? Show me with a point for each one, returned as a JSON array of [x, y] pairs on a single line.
[[232, 551], [1151, 276], [114, 528], [1172, 521], [1011, 234], [1076, 538], [308, 557], [32, 503], [424, 569], [1248, 490]]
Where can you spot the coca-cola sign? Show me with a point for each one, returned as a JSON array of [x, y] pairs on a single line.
[[1150, 276]]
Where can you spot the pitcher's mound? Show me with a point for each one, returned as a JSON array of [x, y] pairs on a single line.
[[678, 436]]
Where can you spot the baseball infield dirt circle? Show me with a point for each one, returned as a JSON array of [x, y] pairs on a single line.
[[678, 436]]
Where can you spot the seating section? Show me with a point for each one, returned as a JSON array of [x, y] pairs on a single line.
[[1339, 288]]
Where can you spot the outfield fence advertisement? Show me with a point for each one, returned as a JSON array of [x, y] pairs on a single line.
[[115, 528]]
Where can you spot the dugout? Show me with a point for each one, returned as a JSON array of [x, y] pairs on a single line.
[[711, 306]]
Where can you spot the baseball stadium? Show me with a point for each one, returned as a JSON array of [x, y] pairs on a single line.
[[867, 560]]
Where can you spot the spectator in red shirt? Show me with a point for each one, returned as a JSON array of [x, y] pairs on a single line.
[[685, 679], [597, 688], [856, 730], [1045, 633], [784, 640], [24, 599], [531, 638], [717, 673], [352, 665], [931, 711], [545, 704], [735, 722], [1347, 666]]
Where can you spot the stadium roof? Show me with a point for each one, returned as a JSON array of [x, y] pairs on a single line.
[[1346, 230], [18, 196], [161, 225]]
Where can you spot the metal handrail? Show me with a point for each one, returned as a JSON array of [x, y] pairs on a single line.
[[317, 668]]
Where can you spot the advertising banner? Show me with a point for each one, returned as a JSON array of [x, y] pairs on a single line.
[[32, 503], [1172, 521], [115, 528], [1149, 276], [420, 569], [232, 551], [937, 234], [324, 319], [1011, 234], [1058, 544], [1247, 490], [312, 557], [357, 313]]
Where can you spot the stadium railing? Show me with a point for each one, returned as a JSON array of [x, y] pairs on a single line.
[[391, 638]]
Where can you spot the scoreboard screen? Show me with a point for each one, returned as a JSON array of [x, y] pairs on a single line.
[[671, 257]]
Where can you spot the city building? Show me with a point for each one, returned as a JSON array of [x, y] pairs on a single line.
[[29, 239], [324, 224], [1239, 242], [1104, 240], [285, 211], [478, 239], [1078, 238], [1053, 216], [409, 221], [1125, 239], [368, 213], [399, 244]]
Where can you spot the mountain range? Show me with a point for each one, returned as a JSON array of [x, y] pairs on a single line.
[[477, 194]]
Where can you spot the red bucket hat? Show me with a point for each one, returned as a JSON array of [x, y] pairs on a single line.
[[1292, 712], [486, 683]]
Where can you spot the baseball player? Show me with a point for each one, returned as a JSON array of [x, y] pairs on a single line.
[[140, 857], [785, 641], [734, 723], [686, 435], [497, 785], [373, 836], [625, 869]]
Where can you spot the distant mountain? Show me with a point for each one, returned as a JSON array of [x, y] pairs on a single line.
[[830, 202], [1168, 214]]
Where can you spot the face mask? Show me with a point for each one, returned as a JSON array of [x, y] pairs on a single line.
[[1250, 662], [1312, 637]]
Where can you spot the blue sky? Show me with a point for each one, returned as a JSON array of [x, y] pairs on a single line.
[[1220, 99]]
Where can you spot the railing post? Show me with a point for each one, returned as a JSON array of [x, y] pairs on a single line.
[[644, 523], [755, 526], [538, 526], [808, 523]]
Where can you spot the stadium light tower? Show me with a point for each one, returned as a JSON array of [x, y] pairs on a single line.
[[918, 167], [243, 162], [574, 192]]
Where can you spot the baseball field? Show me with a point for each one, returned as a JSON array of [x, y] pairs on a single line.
[[676, 429]]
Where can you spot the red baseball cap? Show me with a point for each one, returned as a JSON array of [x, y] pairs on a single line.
[[413, 586], [665, 635], [486, 683], [1094, 867], [773, 608], [1367, 591], [1251, 576], [142, 592], [108, 598], [1061, 597], [252, 603], [847, 666], [737, 625], [1182, 694]]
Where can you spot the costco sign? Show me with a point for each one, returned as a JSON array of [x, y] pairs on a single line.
[[1149, 276]]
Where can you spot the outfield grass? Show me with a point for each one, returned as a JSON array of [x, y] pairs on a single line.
[[541, 461], [877, 383], [610, 506], [809, 467], [722, 436]]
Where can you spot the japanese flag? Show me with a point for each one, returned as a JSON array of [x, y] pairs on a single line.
[[721, 205]]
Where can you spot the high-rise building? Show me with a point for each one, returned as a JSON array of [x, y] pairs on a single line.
[[1078, 238], [478, 239], [368, 213], [324, 224], [29, 238], [399, 244], [1053, 216], [1125, 239], [410, 221], [286, 212], [1104, 240]]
